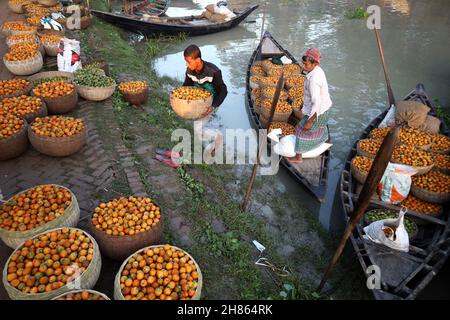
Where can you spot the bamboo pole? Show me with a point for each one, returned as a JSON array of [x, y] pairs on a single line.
[[386, 75], [279, 87], [109, 6], [370, 186]]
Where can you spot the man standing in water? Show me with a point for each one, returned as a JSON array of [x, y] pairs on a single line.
[[205, 75], [312, 131]]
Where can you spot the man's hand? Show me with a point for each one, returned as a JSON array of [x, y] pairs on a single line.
[[210, 109], [308, 125]]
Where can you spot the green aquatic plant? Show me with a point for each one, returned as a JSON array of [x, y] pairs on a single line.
[[357, 13]]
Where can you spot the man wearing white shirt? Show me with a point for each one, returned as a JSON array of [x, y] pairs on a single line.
[[312, 131]]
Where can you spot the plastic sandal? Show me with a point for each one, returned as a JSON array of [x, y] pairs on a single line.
[[168, 153], [167, 160]]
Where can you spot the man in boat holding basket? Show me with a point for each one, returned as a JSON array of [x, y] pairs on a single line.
[[312, 131]]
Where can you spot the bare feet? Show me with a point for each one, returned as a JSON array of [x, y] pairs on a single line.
[[297, 159]]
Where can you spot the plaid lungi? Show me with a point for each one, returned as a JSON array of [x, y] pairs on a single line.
[[311, 139]]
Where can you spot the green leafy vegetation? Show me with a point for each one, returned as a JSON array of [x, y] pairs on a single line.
[[357, 13]]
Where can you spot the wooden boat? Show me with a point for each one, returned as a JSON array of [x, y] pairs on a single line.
[[403, 275], [189, 25], [154, 8], [312, 173]]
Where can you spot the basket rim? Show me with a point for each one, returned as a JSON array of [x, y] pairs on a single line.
[[45, 74], [197, 100], [23, 128], [36, 57], [96, 88], [43, 106], [134, 93], [119, 272], [82, 290], [4, 232], [57, 139], [431, 193], [113, 237], [91, 264]]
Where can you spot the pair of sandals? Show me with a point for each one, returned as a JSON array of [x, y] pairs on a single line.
[[166, 155]]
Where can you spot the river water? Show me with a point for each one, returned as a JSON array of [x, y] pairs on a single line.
[[416, 47]]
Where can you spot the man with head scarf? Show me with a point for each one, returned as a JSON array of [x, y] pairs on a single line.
[[312, 131]]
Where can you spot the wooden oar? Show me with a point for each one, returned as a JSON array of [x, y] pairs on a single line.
[[370, 186], [280, 85], [386, 76]]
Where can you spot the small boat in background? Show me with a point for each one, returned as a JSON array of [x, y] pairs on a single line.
[[152, 26]]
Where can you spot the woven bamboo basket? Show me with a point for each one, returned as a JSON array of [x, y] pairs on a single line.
[[443, 170], [257, 106], [253, 85], [120, 247], [16, 7], [15, 145], [289, 87], [265, 85], [364, 153], [95, 93], [25, 68], [358, 174], [17, 32], [104, 296], [264, 121], [136, 98], [61, 105], [118, 292], [193, 109], [50, 74], [10, 42], [271, 66], [441, 152], [51, 48], [43, 32], [298, 113], [57, 147], [282, 98], [420, 170], [412, 236], [87, 279], [69, 218], [42, 112], [277, 116], [25, 91], [85, 22], [430, 196], [48, 3]]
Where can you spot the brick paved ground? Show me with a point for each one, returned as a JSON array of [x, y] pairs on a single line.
[[92, 174]]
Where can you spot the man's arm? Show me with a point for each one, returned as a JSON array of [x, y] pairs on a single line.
[[315, 104], [221, 89], [188, 81]]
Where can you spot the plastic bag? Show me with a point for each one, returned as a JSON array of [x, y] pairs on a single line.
[[286, 147], [50, 24], [69, 55], [389, 232], [395, 184], [389, 120]]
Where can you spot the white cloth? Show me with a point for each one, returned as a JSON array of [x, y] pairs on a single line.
[[317, 98]]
